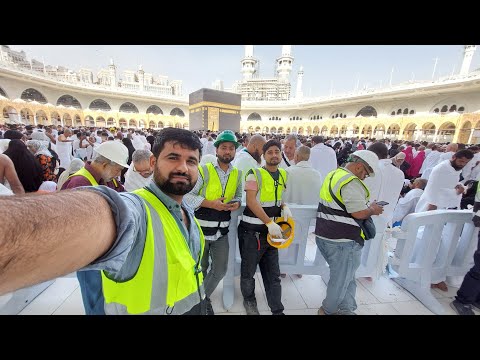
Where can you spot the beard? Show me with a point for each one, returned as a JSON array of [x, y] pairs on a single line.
[[272, 162], [225, 159], [174, 188], [455, 166], [257, 156]]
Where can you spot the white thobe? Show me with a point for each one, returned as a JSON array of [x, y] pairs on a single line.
[[303, 184], [134, 180], [406, 205], [323, 159], [244, 161], [440, 189], [64, 151], [467, 171], [283, 164], [384, 186], [431, 160]]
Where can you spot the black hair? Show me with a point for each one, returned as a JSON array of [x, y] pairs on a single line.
[[185, 138], [464, 154], [380, 149], [271, 143]]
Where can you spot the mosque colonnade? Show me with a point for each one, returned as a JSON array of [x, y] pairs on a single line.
[[463, 128]]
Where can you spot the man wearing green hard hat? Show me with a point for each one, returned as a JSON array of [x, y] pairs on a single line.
[[216, 194]]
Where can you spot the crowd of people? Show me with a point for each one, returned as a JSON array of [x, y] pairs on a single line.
[[159, 205]]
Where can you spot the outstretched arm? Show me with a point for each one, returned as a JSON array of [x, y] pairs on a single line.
[[44, 237]]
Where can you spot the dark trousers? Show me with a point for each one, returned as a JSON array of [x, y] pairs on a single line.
[[92, 292], [255, 250], [469, 291], [217, 250], [199, 309]]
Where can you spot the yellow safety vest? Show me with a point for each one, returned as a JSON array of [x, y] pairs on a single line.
[[169, 279], [212, 187], [269, 196], [332, 221], [86, 174]]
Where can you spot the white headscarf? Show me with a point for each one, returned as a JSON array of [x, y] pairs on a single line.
[[74, 166], [49, 186], [40, 147]]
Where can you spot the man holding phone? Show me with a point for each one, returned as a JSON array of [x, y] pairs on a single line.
[[216, 194]]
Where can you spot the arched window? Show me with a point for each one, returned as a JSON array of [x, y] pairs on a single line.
[[68, 100], [128, 107], [99, 104], [33, 95], [177, 112], [255, 117], [367, 111], [154, 109]]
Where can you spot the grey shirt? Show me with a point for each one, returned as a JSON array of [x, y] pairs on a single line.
[[122, 260]]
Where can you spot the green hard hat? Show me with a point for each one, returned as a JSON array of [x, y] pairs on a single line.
[[226, 136]]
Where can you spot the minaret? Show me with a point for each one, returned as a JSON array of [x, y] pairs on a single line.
[[112, 70], [467, 59], [299, 83], [248, 63], [141, 78], [284, 62]]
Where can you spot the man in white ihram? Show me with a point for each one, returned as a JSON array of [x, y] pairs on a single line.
[[288, 152], [385, 186], [304, 185], [322, 157], [251, 156], [406, 205], [443, 191], [140, 173]]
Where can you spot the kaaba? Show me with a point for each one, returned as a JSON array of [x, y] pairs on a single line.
[[214, 110]]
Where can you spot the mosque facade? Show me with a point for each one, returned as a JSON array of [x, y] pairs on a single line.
[[447, 109]]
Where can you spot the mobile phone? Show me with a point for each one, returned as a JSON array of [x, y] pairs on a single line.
[[382, 203], [232, 202]]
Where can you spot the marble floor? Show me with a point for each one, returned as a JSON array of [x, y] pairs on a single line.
[[300, 296]]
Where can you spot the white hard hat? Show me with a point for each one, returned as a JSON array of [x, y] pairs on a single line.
[[114, 151], [370, 158]]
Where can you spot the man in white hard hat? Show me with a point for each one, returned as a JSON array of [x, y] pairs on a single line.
[[339, 235], [110, 158]]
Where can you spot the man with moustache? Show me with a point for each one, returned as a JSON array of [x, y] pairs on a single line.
[[216, 194], [264, 187], [147, 243], [443, 191]]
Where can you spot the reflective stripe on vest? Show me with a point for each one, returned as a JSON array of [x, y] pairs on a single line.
[[266, 195], [86, 174], [212, 187], [332, 221], [212, 220], [166, 280]]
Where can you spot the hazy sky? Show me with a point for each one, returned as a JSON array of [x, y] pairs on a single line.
[[199, 65]]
